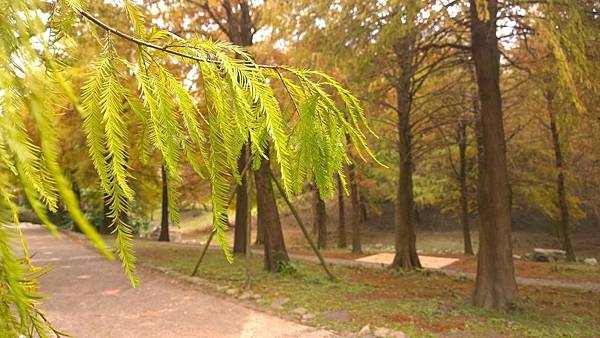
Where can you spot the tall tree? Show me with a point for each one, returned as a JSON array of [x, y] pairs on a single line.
[[241, 225], [355, 223], [275, 253], [164, 214], [235, 21], [320, 219], [495, 285], [240, 31], [406, 252], [462, 177], [341, 215], [561, 192], [106, 221]]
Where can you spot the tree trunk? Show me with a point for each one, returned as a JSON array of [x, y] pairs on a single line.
[[164, 219], [260, 234], [239, 30], [106, 221], [362, 200], [406, 253], [464, 201], [564, 226], [77, 192], [268, 218], [315, 225], [341, 216], [320, 219], [495, 285], [354, 211], [241, 207]]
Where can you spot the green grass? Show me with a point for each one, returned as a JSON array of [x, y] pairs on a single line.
[[421, 304]]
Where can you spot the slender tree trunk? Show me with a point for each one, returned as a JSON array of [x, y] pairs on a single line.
[[320, 219], [355, 224], [59, 217], [239, 30], [406, 253], [341, 216], [241, 207], [362, 200], [268, 217], [464, 202], [495, 285], [260, 234], [565, 226], [315, 225], [106, 221], [77, 192], [164, 219]]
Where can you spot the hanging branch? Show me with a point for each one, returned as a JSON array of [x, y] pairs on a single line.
[[165, 49]]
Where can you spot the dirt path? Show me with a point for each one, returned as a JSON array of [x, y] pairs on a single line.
[[90, 297]]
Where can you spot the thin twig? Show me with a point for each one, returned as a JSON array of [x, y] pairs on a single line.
[[303, 227], [212, 233]]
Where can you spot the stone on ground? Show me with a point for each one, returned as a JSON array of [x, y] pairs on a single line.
[[397, 334], [381, 332], [364, 332], [548, 255], [299, 311], [279, 303], [246, 295], [232, 292], [338, 316]]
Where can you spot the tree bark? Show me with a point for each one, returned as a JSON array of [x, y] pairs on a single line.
[[495, 285], [405, 240], [564, 230], [164, 219], [354, 211], [341, 216], [260, 234], [106, 221], [241, 207], [275, 253], [77, 192], [320, 219], [239, 31], [362, 200], [464, 198], [315, 225]]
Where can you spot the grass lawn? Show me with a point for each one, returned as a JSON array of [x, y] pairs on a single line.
[[421, 304]]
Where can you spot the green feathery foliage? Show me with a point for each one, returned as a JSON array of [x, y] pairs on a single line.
[[29, 92]]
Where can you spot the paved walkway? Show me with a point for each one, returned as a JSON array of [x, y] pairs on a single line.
[[90, 297]]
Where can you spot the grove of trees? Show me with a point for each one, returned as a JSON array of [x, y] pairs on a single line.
[[476, 108]]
